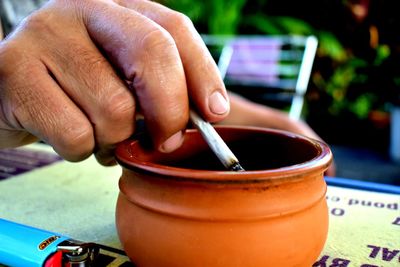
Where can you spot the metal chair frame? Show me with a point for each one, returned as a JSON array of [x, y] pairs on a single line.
[[283, 63]]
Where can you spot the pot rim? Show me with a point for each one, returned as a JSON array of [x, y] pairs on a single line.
[[316, 164]]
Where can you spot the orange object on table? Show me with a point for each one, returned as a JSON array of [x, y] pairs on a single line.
[[272, 214]]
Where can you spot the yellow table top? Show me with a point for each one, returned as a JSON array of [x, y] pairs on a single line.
[[78, 200]]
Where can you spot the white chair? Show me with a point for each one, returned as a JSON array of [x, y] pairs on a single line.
[[267, 68]]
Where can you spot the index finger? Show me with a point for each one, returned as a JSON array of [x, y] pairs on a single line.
[[204, 82]]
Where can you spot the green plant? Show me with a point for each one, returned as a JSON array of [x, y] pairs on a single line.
[[351, 82], [219, 16]]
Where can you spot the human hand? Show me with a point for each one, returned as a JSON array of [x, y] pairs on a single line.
[[76, 73]]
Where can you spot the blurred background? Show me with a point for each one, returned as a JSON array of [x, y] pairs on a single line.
[[354, 90]]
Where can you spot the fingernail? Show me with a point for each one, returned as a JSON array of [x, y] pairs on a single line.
[[172, 143], [218, 104]]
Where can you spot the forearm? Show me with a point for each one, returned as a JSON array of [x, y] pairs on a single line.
[[245, 112]]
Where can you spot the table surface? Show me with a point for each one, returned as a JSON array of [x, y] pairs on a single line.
[[78, 200]]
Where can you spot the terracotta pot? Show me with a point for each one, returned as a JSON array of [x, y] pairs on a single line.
[[183, 209]]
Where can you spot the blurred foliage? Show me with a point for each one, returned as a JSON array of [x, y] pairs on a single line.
[[220, 17], [353, 82]]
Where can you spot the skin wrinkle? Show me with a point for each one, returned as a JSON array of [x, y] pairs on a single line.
[[129, 62], [81, 9], [65, 132], [182, 20], [17, 94], [164, 62], [156, 109], [39, 23], [15, 138], [169, 20], [7, 122], [10, 121], [25, 115], [74, 138], [115, 32], [42, 25], [179, 26], [157, 68], [171, 105], [81, 55], [87, 58], [122, 54]]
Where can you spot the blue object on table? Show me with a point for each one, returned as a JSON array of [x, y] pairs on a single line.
[[363, 185], [22, 245]]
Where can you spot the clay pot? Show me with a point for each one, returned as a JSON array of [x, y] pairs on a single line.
[[183, 209]]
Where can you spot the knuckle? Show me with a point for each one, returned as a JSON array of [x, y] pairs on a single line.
[[37, 22], [157, 39], [76, 142], [177, 20], [177, 23], [119, 107]]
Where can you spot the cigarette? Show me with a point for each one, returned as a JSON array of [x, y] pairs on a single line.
[[215, 142]]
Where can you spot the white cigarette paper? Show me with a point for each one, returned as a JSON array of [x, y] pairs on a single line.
[[215, 142]]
